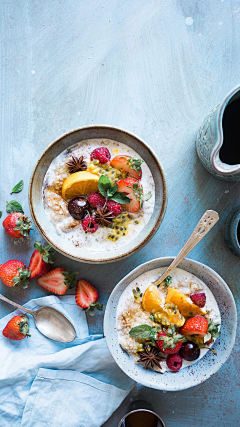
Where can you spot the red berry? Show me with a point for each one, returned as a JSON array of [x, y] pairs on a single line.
[[14, 273], [58, 280], [96, 199], [199, 299], [17, 328], [170, 346], [102, 154], [197, 325], [131, 188], [89, 224], [115, 207], [17, 225], [174, 362]]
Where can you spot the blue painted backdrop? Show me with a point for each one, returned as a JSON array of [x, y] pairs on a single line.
[[155, 68]]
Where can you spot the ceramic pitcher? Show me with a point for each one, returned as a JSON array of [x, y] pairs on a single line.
[[210, 140]]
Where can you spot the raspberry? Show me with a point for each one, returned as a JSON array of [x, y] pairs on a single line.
[[102, 154], [174, 362], [96, 199], [89, 224], [199, 299], [115, 207]]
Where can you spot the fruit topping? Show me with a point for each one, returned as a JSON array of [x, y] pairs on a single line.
[[17, 225], [129, 165], [169, 341], [150, 356], [78, 184], [41, 260], [133, 190], [169, 315], [89, 224], [104, 216], [14, 273], [109, 191], [115, 207], [189, 351], [199, 299], [96, 199], [137, 295], [151, 299], [87, 297], [184, 304], [78, 207], [102, 154], [197, 325], [174, 362], [17, 328], [77, 164], [212, 332], [58, 280]]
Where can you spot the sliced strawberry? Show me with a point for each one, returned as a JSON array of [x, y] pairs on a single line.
[[58, 281], [131, 188], [129, 165], [87, 297], [197, 325], [41, 260]]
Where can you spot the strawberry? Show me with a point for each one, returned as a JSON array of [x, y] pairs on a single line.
[[199, 299], [96, 199], [87, 297], [129, 165], [114, 207], [41, 260], [197, 325], [14, 273], [102, 154], [58, 281], [17, 328], [169, 341], [133, 189], [17, 225]]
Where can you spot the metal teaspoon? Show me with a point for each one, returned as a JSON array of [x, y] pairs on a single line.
[[49, 322], [205, 224]]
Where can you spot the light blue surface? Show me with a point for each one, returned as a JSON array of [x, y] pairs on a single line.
[[44, 382], [155, 68]]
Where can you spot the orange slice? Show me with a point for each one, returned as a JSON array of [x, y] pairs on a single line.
[[79, 183], [184, 304], [151, 299]]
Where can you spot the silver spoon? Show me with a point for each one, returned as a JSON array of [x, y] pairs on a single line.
[[205, 224], [50, 322]]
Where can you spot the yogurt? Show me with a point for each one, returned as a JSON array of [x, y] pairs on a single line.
[[56, 207], [131, 314]]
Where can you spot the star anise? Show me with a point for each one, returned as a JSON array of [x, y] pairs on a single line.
[[150, 357], [104, 216], [76, 164]]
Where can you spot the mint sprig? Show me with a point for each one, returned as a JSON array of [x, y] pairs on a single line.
[[109, 191], [18, 187], [144, 332]]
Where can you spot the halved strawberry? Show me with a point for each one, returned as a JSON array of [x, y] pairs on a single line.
[[129, 165], [133, 189], [87, 297], [197, 325], [41, 260], [58, 280]]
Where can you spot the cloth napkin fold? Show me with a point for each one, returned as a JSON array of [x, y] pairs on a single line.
[[48, 383]]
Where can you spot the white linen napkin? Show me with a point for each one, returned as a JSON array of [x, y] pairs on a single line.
[[48, 383]]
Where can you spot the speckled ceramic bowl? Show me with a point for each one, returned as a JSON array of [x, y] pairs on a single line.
[[205, 367], [36, 200], [231, 231]]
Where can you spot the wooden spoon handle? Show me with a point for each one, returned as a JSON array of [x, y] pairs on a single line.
[[205, 224], [15, 304]]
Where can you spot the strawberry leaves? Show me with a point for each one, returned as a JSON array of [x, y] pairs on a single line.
[[135, 164], [24, 326], [22, 278], [18, 187], [92, 306], [24, 224], [70, 278], [212, 332], [47, 252], [138, 193], [109, 191]]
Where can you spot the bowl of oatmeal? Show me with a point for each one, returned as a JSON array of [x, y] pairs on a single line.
[[97, 194], [174, 336]]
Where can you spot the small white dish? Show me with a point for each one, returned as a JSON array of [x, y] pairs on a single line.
[[197, 372]]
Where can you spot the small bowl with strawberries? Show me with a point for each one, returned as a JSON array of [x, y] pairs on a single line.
[[97, 194]]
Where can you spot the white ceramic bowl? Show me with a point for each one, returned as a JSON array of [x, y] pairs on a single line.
[[47, 230], [199, 371]]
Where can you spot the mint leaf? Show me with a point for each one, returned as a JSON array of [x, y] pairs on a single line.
[[18, 187], [141, 332], [14, 206], [111, 191], [120, 198], [0, 214], [104, 184]]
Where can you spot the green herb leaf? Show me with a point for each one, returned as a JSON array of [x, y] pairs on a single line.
[[104, 184], [0, 214], [120, 198], [153, 334], [111, 191], [141, 332], [152, 317], [167, 281], [18, 187], [146, 197], [14, 206]]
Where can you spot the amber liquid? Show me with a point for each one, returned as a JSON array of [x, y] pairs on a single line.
[[141, 419], [230, 150]]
